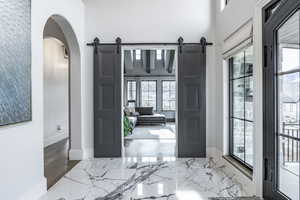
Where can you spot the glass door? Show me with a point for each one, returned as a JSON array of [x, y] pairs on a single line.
[[282, 100]]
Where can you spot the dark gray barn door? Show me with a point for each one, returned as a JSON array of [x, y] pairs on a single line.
[[107, 101], [191, 101]]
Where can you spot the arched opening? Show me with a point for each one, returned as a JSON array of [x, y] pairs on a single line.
[[62, 99]]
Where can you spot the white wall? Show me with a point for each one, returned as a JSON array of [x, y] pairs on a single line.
[[228, 20], [21, 146], [56, 92], [151, 21], [235, 14]]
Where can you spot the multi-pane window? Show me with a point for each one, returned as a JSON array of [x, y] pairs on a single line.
[[148, 94], [131, 92], [169, 97], [241, 106]]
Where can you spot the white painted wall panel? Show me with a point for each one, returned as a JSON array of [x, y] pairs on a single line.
[[21, 145], [151, 21]]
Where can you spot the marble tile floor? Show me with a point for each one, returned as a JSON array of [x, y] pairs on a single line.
[[149, 147], [146, 178]]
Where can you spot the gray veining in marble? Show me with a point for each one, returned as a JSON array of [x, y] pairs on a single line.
[[133, 178]]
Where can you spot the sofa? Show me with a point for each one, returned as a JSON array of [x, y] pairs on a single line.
[[144, 116]]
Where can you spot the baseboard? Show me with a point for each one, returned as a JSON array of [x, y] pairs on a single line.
[[79, 154], [75, 154], [248, 185], [55, 138], [88, 153], [36, 192]]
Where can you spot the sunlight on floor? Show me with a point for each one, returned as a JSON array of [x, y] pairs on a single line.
[[189, 194], [163, 133]]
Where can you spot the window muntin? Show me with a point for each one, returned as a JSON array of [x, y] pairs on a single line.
[[148, 94], [131, 91], [241, 108], [169, 95]]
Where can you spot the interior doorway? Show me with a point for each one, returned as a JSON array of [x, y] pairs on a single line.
[[149, 99], [191, 90], [57, 120]]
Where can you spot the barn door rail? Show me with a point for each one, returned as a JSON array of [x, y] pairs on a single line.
[[203, 42]]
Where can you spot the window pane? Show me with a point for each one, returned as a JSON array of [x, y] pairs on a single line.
[[290, 59], [288, 149], [249, 98], [131, 90], [169, 97], [238, 98], [249, 60], [238, 65], [238, 138], [159, 54], [249, 143], [173, 105], [241, 88], [288, 96], [148, 94], [138, 54], [288, 168], [288, 44]]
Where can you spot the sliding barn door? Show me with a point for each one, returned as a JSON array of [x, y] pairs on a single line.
[[107, 101], [191, 101]]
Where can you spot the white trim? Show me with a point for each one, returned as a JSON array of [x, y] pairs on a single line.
[[76, 154], [226, 108], [79, 154], [36, 192], [88, 154]]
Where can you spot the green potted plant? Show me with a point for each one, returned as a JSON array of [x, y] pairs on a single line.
[[127, 126]]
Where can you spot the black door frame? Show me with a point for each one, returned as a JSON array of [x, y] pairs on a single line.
[[275, 14]]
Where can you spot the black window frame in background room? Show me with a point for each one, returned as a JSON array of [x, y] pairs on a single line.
[[233, 80], [128, 90], [169, 99], [141, 93]]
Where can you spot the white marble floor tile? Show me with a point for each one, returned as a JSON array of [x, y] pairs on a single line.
[[146, 178]]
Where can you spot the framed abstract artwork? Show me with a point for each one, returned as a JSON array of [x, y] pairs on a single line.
[[15, 61]]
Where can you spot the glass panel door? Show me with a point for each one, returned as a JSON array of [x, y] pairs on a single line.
[[281, 100], [288, 98]]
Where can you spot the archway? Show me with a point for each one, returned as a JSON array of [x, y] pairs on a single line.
[[62, 98]]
